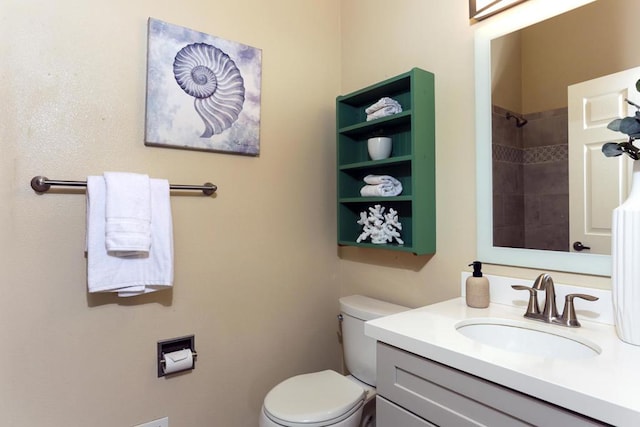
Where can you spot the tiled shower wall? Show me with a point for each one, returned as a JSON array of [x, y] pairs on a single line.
[[508, 182], [531, 181]]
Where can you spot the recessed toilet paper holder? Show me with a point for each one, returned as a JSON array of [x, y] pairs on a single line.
[[175, 345]]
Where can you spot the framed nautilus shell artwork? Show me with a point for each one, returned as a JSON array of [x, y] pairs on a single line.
[[203, 92]]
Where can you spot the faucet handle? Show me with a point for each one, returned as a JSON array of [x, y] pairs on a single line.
[[569, 317], [533, 309]]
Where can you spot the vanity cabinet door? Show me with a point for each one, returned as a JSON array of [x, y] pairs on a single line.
[[448, 397], [390, 415]]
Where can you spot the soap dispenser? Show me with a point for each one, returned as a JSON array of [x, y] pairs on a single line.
[[477, 287]]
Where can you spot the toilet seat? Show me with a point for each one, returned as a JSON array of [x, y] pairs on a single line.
[[313, 400]]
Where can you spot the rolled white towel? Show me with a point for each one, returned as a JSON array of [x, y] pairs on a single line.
[[384, 112], [379, 191], [381, 186], [380, 179], [382, 103]]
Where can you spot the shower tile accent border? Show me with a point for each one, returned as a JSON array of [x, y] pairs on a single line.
[[507, 153], [546, 154], [542, 154]]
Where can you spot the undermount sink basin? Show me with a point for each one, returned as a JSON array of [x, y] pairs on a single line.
[[528, 338]]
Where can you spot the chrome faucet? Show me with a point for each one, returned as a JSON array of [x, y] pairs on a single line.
[[549, 313]]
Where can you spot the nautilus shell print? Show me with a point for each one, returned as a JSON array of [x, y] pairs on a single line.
[[211, 77], [203, 91]]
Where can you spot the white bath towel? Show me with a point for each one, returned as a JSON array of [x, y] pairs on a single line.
[[381, 103], [128, 213], [384, 112], [132, 275], [381, 186], [384, 107]]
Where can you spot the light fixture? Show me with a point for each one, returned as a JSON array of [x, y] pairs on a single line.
[[481, 9]]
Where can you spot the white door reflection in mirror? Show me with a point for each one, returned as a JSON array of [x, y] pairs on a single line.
[[597, 184]]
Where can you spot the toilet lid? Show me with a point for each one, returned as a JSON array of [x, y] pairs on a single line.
[[313, 398]]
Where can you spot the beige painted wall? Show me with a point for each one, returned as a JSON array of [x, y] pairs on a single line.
[[506, 72], [257, 269], [590, 42]]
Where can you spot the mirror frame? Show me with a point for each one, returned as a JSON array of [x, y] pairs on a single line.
[[489, 8], [521, 16]]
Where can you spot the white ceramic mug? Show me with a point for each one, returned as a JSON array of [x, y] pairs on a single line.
[[379, 147]]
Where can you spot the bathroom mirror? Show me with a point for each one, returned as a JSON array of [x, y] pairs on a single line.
[[525, 15]]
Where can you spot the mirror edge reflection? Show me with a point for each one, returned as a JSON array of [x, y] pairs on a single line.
[[521, 16]]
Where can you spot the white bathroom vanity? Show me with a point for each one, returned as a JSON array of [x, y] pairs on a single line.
[[429, 373]]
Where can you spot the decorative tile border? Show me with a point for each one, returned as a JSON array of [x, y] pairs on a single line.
[[507, 154], [546, 154], [543, 154]]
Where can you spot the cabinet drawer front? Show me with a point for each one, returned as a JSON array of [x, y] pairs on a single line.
[[446, 396], [390, 415]]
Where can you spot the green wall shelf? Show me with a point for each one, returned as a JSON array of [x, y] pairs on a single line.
[[412, 160]]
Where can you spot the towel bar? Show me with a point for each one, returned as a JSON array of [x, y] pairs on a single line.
[[42, 184]]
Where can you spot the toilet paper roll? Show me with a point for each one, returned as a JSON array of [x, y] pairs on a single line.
[[178, 361]]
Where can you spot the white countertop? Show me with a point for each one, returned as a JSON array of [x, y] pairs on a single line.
[[605, 387]]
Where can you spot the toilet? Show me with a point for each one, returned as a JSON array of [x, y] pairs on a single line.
[[327, 398]]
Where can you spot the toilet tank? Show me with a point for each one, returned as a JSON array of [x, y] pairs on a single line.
[[359, 349]]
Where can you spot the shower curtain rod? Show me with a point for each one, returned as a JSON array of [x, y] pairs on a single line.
[[42, 184]]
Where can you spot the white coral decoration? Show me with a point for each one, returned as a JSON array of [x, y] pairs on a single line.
[[380, 227]]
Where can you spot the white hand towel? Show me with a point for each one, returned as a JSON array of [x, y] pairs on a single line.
[[129, 276], [383, 112], [382, 103], [381, 186], [380, 179], [128, 213]]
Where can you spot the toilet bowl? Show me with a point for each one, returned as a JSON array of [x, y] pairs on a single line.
[[327, 398], [318, 399]]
